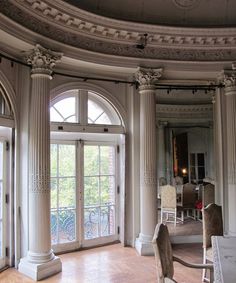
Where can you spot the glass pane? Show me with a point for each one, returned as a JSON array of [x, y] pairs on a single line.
[[200, 159], [66, 160], [1, 243], [66, 226], [201, 173], [91, 223], [1, 160], [65, 107], [55, 116], [91, 160], [192, 173], [107, 220], [192, 159], [67, 193], [91, 191], [107, 160], [53, 157], [107, 185], [54, 226], [94, 112], [53, 193], [103, 119]]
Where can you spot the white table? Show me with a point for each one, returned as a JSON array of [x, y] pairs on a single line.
[[224, 259]]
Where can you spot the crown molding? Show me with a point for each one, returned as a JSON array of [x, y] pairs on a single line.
[[185, 112], [71, 26]]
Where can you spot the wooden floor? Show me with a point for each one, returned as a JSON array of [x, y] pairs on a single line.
[[114, 264]]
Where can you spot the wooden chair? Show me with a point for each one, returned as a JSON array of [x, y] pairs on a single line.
[[208, 195], [188, 200], [164, 257], [212, 226]]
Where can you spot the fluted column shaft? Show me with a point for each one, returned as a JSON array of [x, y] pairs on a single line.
[[39, 166], [148, 160], [161, 163], [40, 261], [230, 92]]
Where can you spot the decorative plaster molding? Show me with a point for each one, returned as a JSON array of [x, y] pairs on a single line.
[[186, 4], [184, 111], [43, 60], [147, 77], [40, 183], [150, 178], [229, 79], [64, 23]]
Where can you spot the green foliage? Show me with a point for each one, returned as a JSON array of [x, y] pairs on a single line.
[[99, 179]]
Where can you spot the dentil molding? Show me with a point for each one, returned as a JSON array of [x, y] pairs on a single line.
[[204, 111], [72, 26]]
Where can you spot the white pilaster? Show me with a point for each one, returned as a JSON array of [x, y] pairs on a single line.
[[230, 92], [148, 163], [40, 261]]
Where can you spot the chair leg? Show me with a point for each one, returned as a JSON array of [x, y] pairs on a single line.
[[204, 262], [175, 215]]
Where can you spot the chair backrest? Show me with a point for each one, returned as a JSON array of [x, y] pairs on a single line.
[[177, 181], [189, 195], [162, 181], [163, 253], [208, 194], [212, 223], [168, 197]]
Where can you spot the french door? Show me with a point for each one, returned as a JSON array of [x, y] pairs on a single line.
[[3, 215], [84, 203]]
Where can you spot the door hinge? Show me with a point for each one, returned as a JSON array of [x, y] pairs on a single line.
[[7, 252], [7, 146], [118, 149], [118, 230], [6, 198], [118, 189]]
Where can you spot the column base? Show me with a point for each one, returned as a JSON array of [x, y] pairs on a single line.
[[41, 270], [143, 245]]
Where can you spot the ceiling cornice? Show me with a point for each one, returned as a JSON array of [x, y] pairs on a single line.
[[74, 27]]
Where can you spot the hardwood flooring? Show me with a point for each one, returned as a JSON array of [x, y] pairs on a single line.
[[114, 264]]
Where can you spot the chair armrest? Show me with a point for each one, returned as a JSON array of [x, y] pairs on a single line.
[[193, 265]]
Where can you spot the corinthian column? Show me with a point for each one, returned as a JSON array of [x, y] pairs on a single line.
[[148, 162], [40, 261], [230, 92]]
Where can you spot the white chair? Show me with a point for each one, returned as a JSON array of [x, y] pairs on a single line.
[[168, 203], [212, 226]]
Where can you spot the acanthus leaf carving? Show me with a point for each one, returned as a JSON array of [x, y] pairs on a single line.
[[43, 60], [147, 77]]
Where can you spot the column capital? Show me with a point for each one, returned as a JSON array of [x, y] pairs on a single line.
[[228, 77], [161, 124], [42, 60], [147, 77]]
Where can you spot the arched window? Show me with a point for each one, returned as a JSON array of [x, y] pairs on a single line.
[[86, 134], [5, 106], [84, 107]]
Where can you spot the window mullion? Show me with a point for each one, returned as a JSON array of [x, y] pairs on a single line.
[[83, 108], [99, 184], [57, 193]]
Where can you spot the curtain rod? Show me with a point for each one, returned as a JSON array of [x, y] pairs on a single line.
[[169, 87]]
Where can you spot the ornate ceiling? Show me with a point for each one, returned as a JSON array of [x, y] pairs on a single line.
[[198, 13], [87, 32]]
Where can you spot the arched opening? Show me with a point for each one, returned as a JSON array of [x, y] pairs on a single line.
[[87, 148], [6, 183]]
